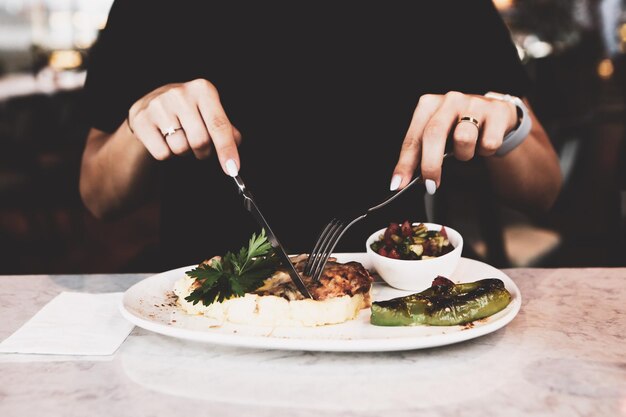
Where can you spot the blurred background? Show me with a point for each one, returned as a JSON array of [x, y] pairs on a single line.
[[574, 51]]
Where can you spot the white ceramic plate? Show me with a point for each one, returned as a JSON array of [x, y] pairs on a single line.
[[147, 305]]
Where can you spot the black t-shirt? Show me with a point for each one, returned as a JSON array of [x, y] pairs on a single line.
[[322, 91]]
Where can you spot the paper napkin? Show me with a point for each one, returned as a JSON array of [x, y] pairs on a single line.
[[72, 324]]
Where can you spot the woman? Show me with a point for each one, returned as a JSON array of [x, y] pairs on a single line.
[[323, 94]]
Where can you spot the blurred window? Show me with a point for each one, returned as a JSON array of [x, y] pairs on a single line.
[[32, 28]]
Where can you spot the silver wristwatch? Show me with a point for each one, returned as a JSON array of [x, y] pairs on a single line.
[[517, 136]]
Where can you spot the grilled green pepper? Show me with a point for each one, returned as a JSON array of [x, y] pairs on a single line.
[[443, 304]]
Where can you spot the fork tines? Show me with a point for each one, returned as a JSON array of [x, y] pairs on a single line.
[[334, 230], [324, 247]]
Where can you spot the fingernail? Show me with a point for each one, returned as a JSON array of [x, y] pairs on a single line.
[[395, 182], [431, 186], [231, 168]]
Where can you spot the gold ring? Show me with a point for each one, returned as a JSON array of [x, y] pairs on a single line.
[[170, 131], [470, 120]]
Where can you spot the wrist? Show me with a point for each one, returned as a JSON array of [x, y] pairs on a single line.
[[135, 152]]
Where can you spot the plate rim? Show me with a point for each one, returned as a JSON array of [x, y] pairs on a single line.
[[323, 344]]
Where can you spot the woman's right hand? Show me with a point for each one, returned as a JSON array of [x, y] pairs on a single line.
[[195, 111]]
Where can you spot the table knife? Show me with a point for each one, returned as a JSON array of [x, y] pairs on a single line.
[[253, 208]]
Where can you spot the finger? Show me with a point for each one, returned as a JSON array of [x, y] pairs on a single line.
[[465, 139], [493, 131], [164, 117], [219, 127], [222, 135], [177, 142], [192, 123], [237, 135], [152, 139], [436, 133], [411, 146], [466, 133]]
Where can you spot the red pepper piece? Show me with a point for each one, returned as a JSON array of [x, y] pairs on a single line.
[[442, 281], [406, 229], [391, 230]]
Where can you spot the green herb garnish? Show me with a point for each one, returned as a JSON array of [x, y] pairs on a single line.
[[234, 274]]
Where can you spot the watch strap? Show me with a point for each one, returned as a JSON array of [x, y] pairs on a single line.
[[514, 138]]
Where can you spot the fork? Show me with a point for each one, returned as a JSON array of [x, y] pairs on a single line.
[[335, 229]]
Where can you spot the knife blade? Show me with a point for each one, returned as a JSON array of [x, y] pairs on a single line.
[[253, 208]]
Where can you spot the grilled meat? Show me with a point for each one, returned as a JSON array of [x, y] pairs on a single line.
[[337, 280]]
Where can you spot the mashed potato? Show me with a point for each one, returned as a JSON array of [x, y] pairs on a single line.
[[270, 310]]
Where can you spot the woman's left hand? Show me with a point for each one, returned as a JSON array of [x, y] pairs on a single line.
[[435, 117]]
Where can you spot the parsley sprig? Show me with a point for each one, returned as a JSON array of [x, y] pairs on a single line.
[[234, 274]]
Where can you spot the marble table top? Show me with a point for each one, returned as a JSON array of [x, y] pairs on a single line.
[[563, 355]]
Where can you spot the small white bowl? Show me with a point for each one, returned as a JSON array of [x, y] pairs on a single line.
[[416, 275]]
